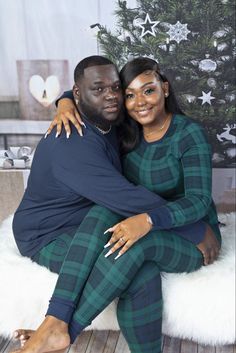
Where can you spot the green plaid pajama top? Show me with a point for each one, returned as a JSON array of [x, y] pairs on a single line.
[[178, 168]]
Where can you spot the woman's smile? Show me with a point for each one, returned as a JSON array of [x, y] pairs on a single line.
[[143, 112]]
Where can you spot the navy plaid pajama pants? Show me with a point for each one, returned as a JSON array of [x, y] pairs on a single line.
[[88, 281]]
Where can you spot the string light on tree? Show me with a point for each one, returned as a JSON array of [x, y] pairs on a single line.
[[148, 26], [178, 32], [206, 97]]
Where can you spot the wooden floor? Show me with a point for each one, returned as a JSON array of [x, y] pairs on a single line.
[[113, 342]]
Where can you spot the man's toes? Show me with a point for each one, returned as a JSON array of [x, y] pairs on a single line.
[[23, 334], [22, 343], [16, 334], [19, 333]]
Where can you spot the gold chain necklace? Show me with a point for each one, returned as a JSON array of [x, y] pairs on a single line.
[[160, 128], [103, 131]]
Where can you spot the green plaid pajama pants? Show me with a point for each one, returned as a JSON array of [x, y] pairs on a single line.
[[88, 281]]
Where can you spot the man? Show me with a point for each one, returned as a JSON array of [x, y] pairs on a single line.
[[69, 175]]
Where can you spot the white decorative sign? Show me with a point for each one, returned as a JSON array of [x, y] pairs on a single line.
[[40, 83], [45, 92]]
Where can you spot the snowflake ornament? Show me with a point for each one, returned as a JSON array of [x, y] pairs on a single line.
[[178, 32], [148, 26], [206, 97]]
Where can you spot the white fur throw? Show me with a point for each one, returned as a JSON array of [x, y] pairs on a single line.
[[198, 306]]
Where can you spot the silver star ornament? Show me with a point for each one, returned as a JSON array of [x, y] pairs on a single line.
[[206, 97], [148, 26]]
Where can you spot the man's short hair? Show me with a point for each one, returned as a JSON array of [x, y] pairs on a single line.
[[93, 60]]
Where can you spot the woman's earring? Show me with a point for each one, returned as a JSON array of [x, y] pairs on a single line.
[[166, 95], [76, 101]]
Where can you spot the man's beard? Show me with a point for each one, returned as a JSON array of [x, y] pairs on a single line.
[[98, 119]]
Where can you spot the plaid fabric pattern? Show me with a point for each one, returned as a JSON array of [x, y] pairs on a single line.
[[80, 250], [178, 168], [109, 278], [89, 281]]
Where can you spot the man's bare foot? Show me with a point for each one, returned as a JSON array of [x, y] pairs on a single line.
[[51, 336]]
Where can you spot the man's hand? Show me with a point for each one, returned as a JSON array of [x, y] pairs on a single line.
[[127, 232], [66, 112], [209, 247]]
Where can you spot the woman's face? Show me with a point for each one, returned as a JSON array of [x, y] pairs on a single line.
[[145, 98]]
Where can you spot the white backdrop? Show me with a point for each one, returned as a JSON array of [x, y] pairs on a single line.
[[49, 29]]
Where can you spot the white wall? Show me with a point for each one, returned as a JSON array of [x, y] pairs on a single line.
[[49, 29]]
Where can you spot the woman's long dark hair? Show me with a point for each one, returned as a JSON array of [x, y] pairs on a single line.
[[129, 131]]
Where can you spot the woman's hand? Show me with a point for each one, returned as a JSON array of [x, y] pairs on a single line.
[[66, 111], [127, 232], [209, 247]]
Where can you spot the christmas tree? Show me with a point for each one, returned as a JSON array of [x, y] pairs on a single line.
[[193, 40]]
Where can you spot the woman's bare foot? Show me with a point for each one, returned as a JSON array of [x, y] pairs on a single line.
[[23, 335], [51, 336]]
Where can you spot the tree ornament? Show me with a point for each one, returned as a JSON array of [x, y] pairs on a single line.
[[123, 35], [150, 56], [137, 21], [226, 135], [195, 62], [207, 65], [206, 97], [222, 46], [148, 26], [211, 82], [225, 57], [230, 97], [190, 98], [178, 32], [221, 33]]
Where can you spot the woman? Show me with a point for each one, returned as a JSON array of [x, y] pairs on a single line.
[[169, 155]]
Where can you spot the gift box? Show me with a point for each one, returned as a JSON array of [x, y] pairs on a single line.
[[16, 158]]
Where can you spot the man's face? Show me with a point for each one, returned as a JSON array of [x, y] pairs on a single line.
[[100, 94]]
